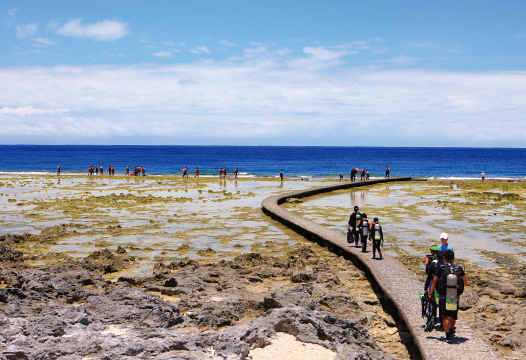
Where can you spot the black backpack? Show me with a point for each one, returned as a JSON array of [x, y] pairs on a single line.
[[445, 270]]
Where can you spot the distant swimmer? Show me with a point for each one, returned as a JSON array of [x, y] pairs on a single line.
[[196, 172], [281, 175], [483, 176], [58, 170], [387, 172], [235, 173], [128, 170]]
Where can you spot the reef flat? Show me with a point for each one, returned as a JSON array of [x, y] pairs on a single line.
[[210, 264]]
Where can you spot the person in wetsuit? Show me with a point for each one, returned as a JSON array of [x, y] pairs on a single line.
[[377, 236], [353, 226], [365, 229]]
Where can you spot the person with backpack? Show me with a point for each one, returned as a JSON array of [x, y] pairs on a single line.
[[449, 281], [353, 227], [431, 269], [377, 236], [365, 229]]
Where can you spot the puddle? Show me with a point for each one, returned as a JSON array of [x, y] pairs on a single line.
[[112, 329], [165, 297], [487, 298]]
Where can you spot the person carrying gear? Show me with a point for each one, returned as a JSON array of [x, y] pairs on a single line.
[[431, 269], [449, 280], [430, 257], [365, 229], [353, 227], [377, 236]]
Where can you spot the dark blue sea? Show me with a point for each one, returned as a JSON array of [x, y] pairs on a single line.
[[269, 160]]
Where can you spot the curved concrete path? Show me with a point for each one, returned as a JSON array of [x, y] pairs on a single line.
[[395, 280]]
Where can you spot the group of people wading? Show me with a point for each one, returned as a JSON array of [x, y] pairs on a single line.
[[94, 170], [136, 171], [364, 174]]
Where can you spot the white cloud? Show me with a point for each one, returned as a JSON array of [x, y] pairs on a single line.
[[107, 30], [39, 42], [163, 54], [23, 31], [323, 53], [29, 110], [283, 51], [199, 49], [226, 43], [11, 17], [265, 98]]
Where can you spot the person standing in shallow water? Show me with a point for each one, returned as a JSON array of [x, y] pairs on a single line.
[[281, 175], [58, 170], [483, 175], [387, 172]]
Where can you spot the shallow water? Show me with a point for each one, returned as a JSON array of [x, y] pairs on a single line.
[[422, 223]]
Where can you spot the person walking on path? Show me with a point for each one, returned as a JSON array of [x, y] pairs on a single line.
[[196, 172], [365, 229], [363, 175], [353, 227], [441, 283], [483, 175], [387, 172], [377, 236], [444, 246]]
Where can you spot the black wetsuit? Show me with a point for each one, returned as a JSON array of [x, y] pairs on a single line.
[[364, 233], [377, 236], [353, 227]]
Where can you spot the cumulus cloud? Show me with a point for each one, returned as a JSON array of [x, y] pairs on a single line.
[[226, 43], [107, 30], [276, 97], [29, 110], [23, 31]]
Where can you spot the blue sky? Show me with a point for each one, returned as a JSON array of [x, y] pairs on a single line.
[[356, 73]]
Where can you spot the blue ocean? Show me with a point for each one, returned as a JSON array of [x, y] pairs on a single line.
[[269, 160]]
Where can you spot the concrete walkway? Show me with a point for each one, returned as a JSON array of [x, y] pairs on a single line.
[[395, 280]]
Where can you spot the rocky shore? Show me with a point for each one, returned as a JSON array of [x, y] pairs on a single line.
[[188, 310]]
